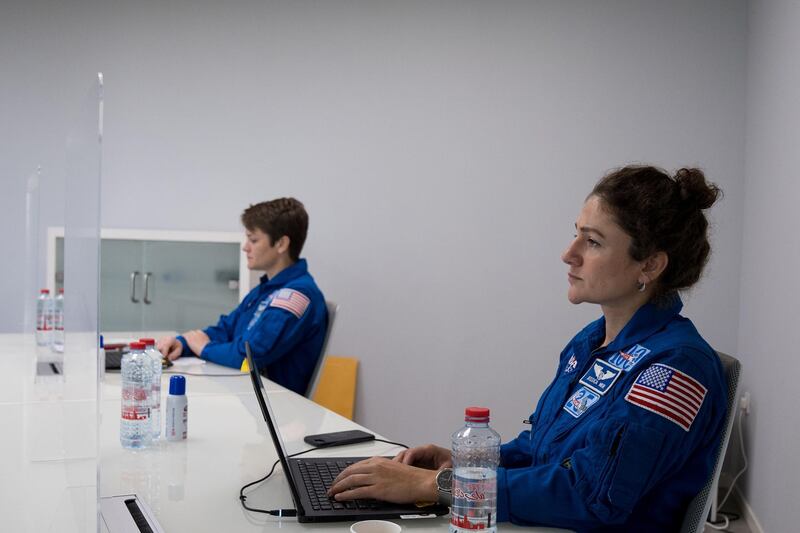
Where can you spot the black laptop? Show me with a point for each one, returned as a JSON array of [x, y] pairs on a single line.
[[310, 478]]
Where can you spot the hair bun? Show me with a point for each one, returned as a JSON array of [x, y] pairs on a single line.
[[694, 188]]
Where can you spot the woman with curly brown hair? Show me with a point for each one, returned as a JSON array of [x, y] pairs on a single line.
[[626, 433]]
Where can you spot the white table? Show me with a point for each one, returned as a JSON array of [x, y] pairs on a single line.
[[51, 469], [194, 485]]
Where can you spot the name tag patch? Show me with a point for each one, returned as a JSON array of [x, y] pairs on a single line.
[[581, 401], [601, 376], [627, 359]]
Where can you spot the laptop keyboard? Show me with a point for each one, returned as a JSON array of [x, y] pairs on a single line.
[[318, 477]]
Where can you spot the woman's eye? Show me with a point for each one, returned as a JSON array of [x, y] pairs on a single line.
[[593, 243]]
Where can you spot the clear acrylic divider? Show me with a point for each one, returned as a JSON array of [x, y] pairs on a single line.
[[32, 272], [57, 461]]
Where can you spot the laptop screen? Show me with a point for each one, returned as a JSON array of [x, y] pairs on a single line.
[[266, 410]]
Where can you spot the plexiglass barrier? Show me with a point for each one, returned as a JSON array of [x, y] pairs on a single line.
[[50, 386]]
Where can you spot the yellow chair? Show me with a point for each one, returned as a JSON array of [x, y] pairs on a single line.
[[336, 389]]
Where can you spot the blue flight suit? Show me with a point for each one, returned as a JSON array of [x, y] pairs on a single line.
[[285, 329], [625, 435]]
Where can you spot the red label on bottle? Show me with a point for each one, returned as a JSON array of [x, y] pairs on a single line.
[[132, 413]]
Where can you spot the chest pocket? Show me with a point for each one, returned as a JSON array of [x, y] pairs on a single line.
[[631, 463], [551, 404], [565, 422]]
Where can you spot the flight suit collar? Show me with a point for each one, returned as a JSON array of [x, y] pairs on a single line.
[[647, 320], [286, 275]]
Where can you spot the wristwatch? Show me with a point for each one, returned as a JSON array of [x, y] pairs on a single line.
[[444, 485]]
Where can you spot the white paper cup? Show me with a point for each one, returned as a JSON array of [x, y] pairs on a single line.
[[375, 526]]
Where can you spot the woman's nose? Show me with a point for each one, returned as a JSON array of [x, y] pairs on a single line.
[[570, 256]]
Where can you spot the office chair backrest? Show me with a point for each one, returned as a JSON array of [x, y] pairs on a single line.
[[333, 308], [336, 389], [697, 513]]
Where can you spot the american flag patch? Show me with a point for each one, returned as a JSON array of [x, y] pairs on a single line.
[[668, 392], [293, 301]]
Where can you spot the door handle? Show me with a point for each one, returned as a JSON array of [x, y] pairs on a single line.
[[134, 275], [147, 299]]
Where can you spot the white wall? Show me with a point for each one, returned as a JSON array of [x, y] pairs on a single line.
[[443, 151], [768, 331]]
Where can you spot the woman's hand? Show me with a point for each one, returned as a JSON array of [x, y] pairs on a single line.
[[380, 478], [429, 456], [197, 340], [170, 347]]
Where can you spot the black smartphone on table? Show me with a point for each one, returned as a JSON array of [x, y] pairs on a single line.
[[338, 438]]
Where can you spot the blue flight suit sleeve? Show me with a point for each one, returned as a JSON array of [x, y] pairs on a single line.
[[516, 453], [223, 330], [186, 350], [275, 332], [624, 454]]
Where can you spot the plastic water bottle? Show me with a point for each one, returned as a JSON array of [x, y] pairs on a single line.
[[476, 455], [44, 318], [58, 322], [135, 429], [155, 391]]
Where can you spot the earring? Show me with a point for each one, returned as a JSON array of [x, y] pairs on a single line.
[[642, 286]]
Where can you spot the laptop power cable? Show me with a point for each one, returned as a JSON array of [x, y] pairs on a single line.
[[286, 512], [273, 512]]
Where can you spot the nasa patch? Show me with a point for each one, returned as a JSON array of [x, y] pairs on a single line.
[[572, 364], [627, 359], [581, 401], [601, 376]]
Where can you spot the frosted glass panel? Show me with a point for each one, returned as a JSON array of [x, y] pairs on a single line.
[[122, 284], [156, 285], [189, 284]]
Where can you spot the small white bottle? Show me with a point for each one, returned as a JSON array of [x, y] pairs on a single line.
[[101, 363], [177, 409]]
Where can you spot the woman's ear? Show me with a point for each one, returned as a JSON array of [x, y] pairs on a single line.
[[283, 244], [654, 266]]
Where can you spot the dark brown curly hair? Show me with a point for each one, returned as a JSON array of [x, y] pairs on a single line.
[[663, 213], [279, 217]]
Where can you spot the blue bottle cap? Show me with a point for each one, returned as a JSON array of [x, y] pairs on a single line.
[[177, 385]]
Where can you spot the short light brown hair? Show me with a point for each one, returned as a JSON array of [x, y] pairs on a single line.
[[279, 217]]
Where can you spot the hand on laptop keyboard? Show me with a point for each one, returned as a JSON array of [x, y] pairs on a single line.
[[380, 478]]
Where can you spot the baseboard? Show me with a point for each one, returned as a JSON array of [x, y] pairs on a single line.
[[747, 512]]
